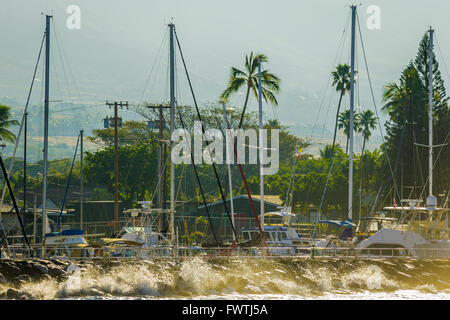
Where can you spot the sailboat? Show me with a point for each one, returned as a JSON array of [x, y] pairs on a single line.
[[423, 231], [287, 235], [70, 242], [281, 239], [141, 222]]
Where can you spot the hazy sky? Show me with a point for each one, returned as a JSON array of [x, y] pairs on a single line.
[[111, 56]]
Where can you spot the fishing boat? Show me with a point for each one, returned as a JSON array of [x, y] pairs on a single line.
[[280, 240], [141, 227], [284, 239], [422, 233]]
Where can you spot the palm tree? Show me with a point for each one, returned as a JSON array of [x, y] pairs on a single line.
[[270, 82], [341, 80], [327, 152], [367, 123], [5, 123], [344, 123]]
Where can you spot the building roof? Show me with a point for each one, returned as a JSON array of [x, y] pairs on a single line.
[[272, 198], [256, 198], [5, 208], [49, 205]]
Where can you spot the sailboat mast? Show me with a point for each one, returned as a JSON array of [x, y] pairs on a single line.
[[46, 101], [81, 179], [172, 128], [25, 163], [352, 98], [430, 114], [261, 146], [159, 199], [228, 157]]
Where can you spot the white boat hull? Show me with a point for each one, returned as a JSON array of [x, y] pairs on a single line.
[[414, 245]]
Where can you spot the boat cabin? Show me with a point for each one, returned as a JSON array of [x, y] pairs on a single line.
[[368, 226], [272, 234]]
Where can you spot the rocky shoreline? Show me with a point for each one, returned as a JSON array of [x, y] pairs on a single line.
[[15, 273]]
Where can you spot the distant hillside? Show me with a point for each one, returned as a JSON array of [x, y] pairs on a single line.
[[67, 119]]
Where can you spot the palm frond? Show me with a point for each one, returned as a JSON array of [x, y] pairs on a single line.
[[271, 85], [233, 86], [248, 63], [7, 135], [236, 73], [254, 63], [269, 96]]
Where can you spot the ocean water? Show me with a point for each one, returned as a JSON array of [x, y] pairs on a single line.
[[238, 279]]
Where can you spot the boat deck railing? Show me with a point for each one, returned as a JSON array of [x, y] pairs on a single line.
[[162, 252]]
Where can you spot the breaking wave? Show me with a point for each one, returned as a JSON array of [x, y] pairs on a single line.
[[224, 279]]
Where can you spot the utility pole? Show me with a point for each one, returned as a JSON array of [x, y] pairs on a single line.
[[81, 180], [115, 123], [161, 125]]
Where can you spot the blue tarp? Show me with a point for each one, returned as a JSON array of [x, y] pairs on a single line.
[[70, 232], [339, 223]]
